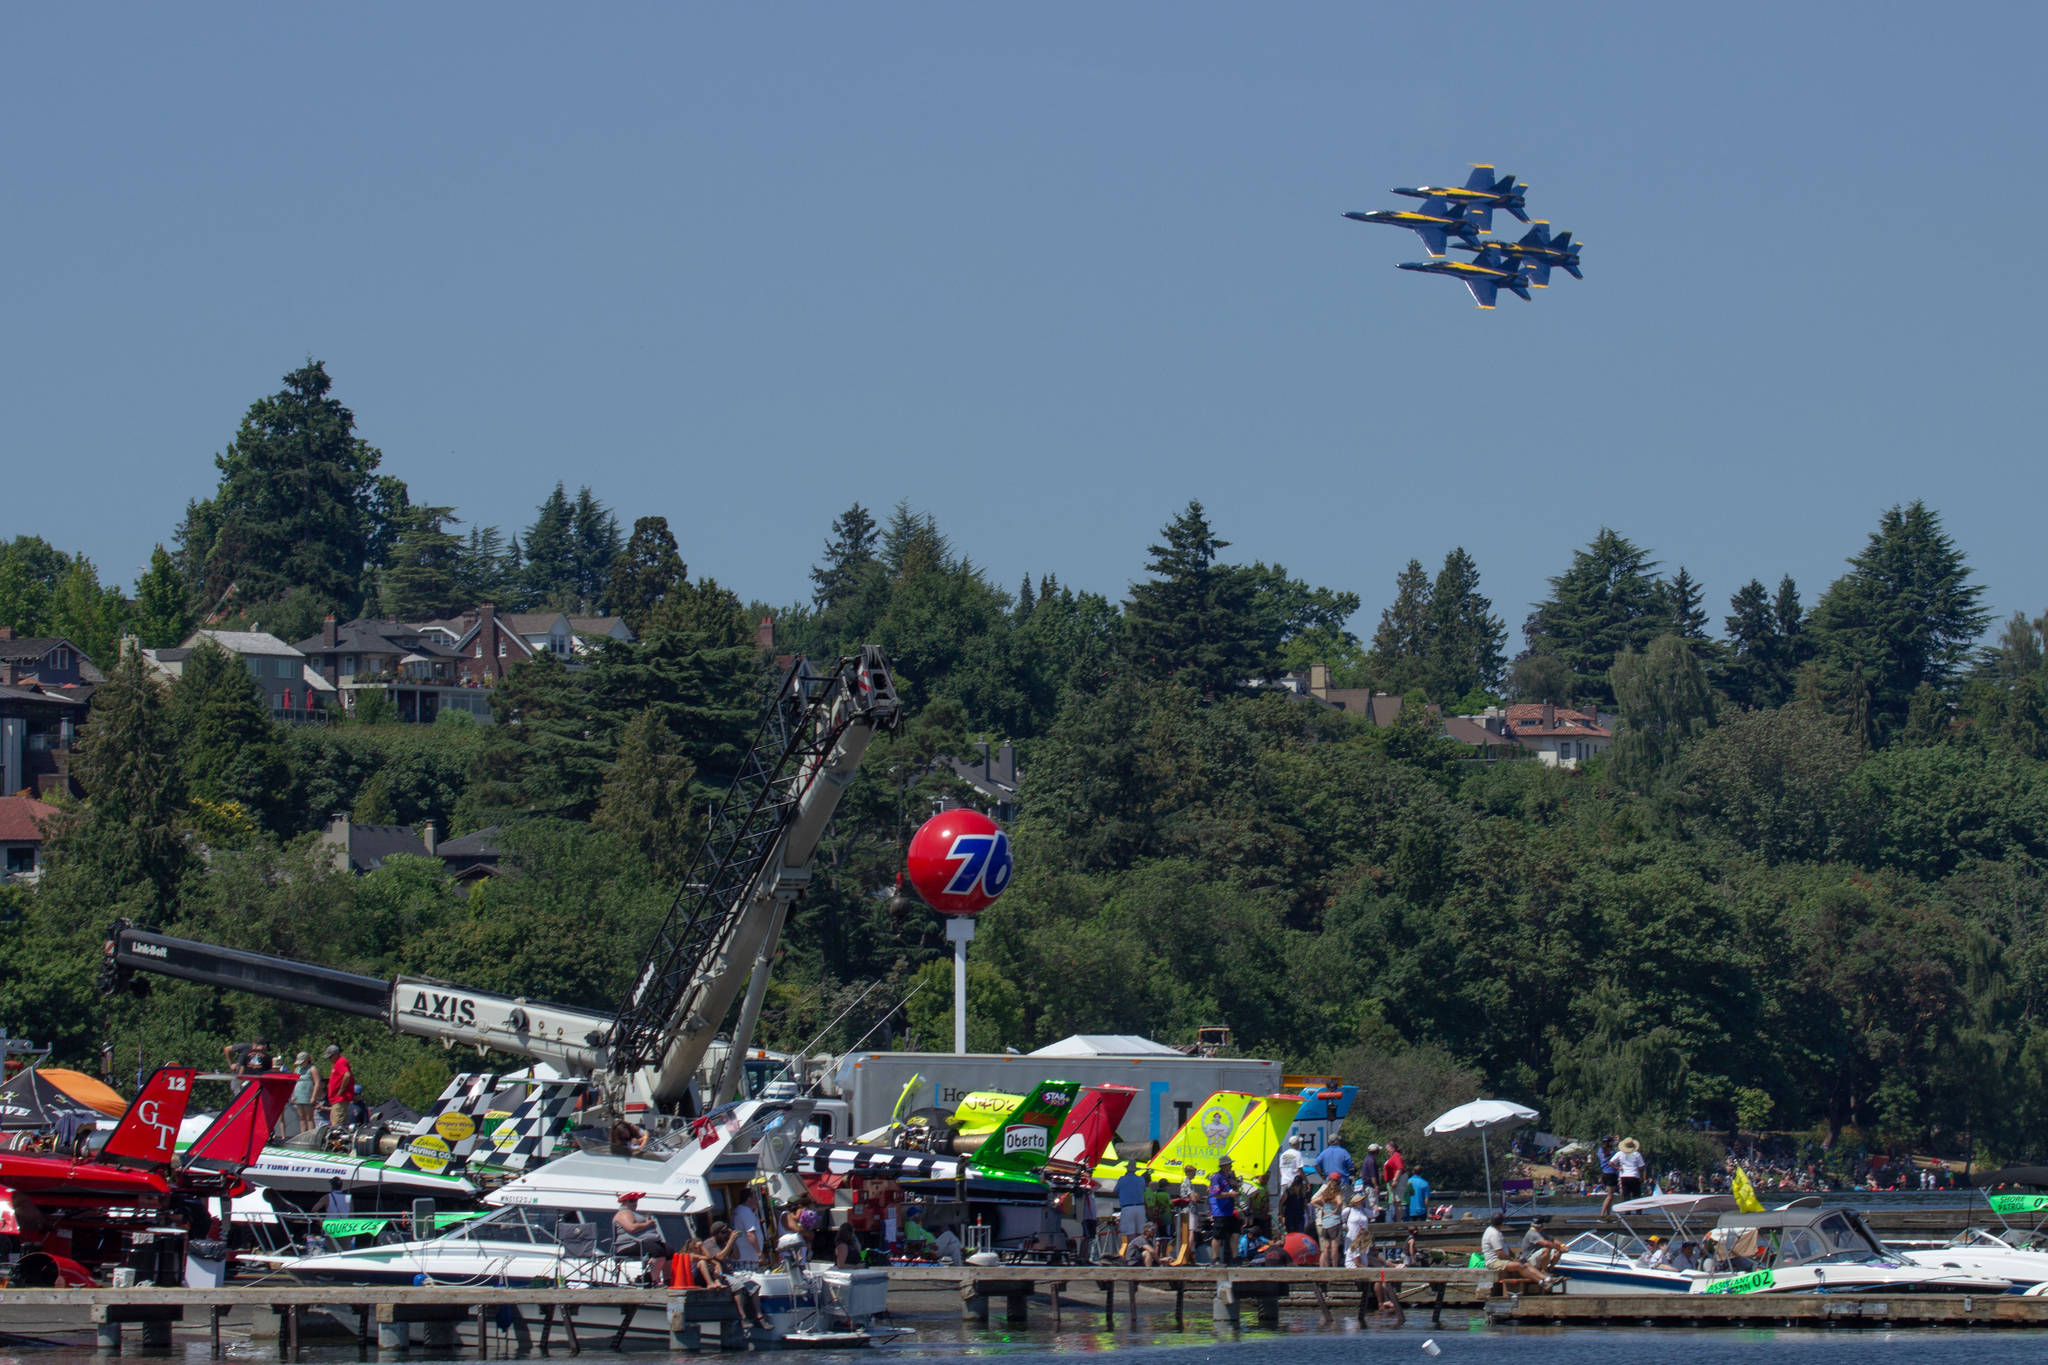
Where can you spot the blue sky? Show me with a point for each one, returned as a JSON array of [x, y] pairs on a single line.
[[1047, 272]]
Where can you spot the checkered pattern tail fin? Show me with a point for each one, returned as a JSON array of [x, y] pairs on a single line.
[[468, 1095], [533, 1132]]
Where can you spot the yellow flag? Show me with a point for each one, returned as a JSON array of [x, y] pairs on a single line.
[[1745, 1193]]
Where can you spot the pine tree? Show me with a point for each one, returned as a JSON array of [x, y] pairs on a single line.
[[229, 749], [1749, 674], [1027, 600], [912, 544], [1688, 616], [646, 797], [295, 503], [1196, 622], [423, 581], [1464, 637], [487, 570], [126, 835], [550, 571], [163, 613], [1400, 647], [1609, 600], [649, 569], [594, 540], [1906, 613], [547, 753], [850, 551]]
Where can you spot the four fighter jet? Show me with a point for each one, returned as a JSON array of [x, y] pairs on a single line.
[[1465, 213]]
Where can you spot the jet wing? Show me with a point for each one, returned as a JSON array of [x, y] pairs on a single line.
[[1484, 292]]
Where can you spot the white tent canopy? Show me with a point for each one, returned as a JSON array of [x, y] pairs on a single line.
[[1478, 1116], [1106, 1045]]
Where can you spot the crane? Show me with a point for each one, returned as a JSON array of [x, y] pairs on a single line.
[[720, 932]]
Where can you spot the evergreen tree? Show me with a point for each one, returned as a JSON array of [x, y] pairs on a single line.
[[229, 749], [1400, 647], [1195, 621], [550, 570], [423, 581], [1688, 616], [1747, 674], [646, 573], [547, 754], [163, 613], [488, 569], [295, 503], [646, 798], [912, 544], [1609, 600], [1464, 638], [1027, 599], [126, 835], [595, 544], [847, 556], [1905, 613]]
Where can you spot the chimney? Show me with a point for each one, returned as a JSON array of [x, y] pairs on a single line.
[[764, 635], [327, 633], [1549, 716], [6, 632], [487, 640], [1318, 679], [431, 836], [7, 671]]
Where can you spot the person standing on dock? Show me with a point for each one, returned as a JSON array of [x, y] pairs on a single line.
[[1391, 1166], [746, 1230], [1610, 1175], [1224, 1224], [1130, 1204], [1418, 1197], [1290, 1161], [1329, 1211], [1628, 1166], [1335, 1160], [1369, 1168]]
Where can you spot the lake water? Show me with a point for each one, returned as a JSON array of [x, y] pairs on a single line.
[[939, 1342]]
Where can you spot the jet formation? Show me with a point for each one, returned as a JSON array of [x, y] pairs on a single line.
[[1461, 218]]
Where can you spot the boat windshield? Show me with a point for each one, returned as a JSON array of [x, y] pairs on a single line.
[[1983, 1237], [1833, 1240], [1616, 1246], [525, 1224]]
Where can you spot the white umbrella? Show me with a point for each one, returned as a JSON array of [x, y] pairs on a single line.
[[1480, 1115]]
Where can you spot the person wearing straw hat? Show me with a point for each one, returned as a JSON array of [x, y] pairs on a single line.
[[1628, 1164]]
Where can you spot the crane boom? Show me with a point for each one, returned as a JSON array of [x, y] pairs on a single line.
[[721, 929], [756, 860]]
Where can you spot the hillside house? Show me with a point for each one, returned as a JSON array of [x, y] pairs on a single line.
[[23, 828], [418, 667], [292, 690], [1557, 735]]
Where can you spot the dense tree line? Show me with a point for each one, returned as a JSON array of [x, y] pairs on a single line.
[[1805, 887]]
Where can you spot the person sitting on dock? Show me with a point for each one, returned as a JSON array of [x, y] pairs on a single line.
[[628, 1226], [1143, 1249], [947, 1246], [1539, 1248], [1494, 1253], [702, 1270]]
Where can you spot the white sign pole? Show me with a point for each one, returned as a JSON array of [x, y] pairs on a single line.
[[960, 932]]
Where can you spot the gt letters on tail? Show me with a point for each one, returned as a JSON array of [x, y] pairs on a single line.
[[147, 1134]]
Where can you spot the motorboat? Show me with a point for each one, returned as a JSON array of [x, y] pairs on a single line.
[[1792, 1250], [2016, 1257], [555, 1224]]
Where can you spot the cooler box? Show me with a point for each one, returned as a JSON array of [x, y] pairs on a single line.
[[860, 1294]]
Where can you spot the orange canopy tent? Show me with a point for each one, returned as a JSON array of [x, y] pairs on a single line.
[[87, 1091]]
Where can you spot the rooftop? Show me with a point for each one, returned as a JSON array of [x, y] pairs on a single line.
[[22, 819], [243, 642]]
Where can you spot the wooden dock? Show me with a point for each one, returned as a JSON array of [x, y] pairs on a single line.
[[1773, 1310]]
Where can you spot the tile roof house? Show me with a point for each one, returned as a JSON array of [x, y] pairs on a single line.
[[23, 823], [46, 687], [1557, 735]]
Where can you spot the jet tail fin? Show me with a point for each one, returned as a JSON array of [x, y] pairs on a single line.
[[1572, 268], [1019, 1144], [1518, 285], [236, 1138], [1482, 176], [1089, 1128], [1537, 235], [446, 1134], [1204, 1139], [147, 1134]]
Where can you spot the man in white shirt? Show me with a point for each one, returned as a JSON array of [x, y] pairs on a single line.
[[1493, 1251], [948, 1246], [746, 1227], [1290, 1161]]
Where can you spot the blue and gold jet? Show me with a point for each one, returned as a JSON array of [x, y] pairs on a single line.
[[1538, 251], [1485, 275], [1436, 222], [1483, 191]]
